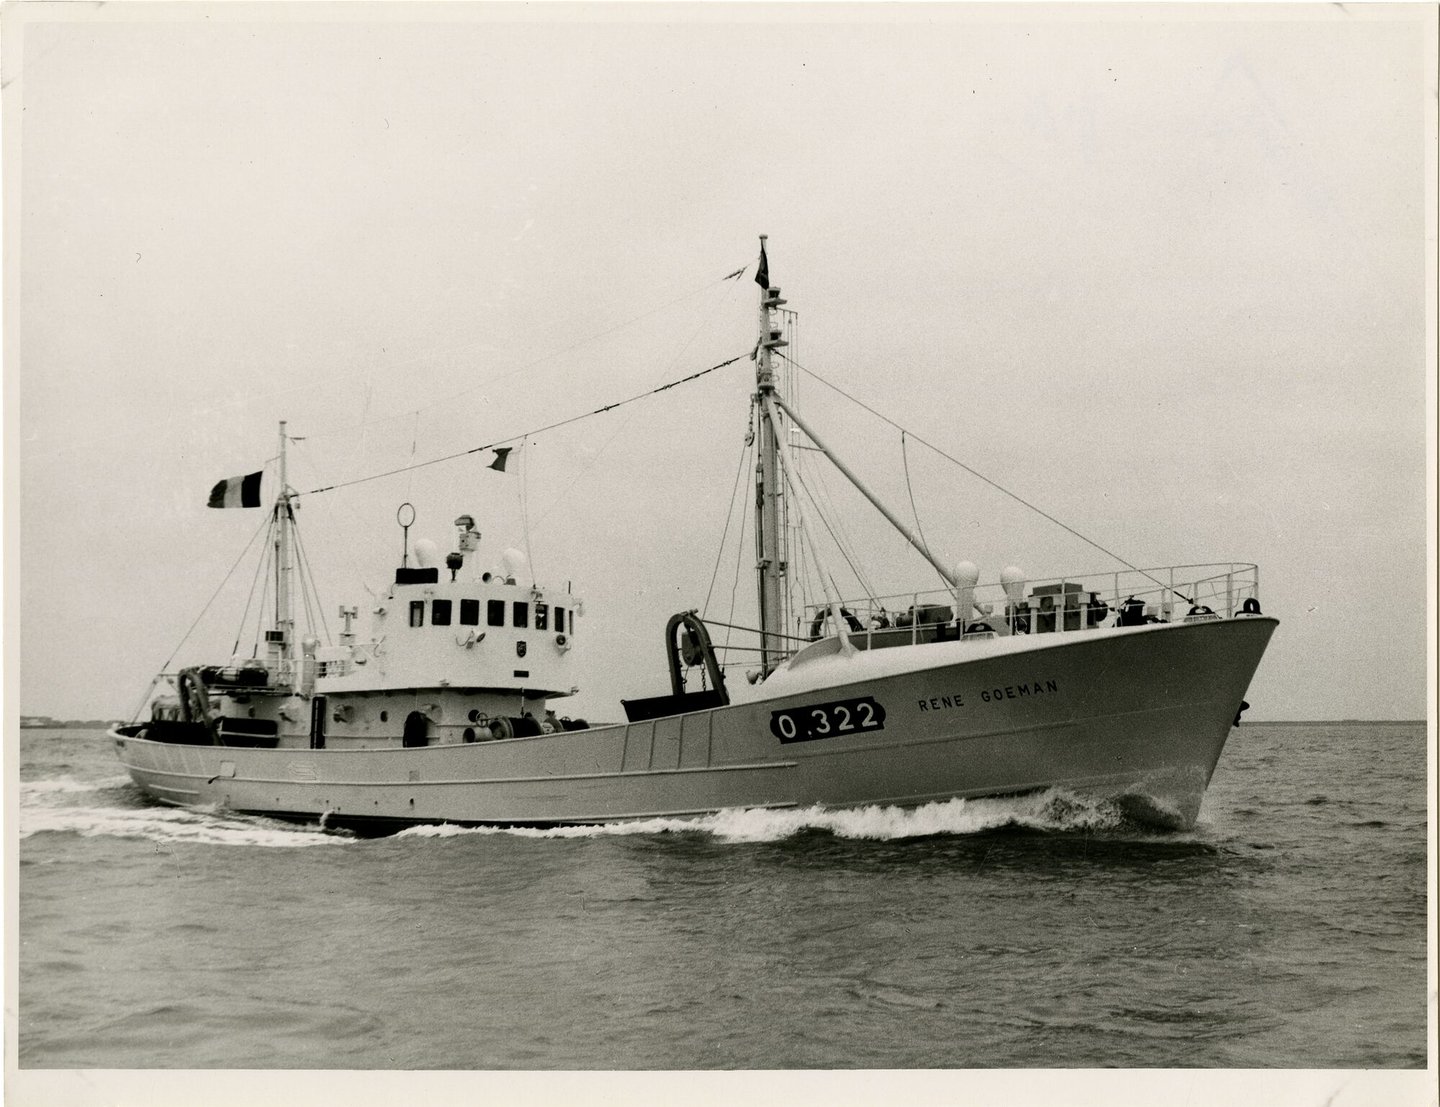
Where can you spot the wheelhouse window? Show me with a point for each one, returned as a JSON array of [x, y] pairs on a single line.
[[559, 620], [542, 616], [417, 613], [495, 613], [440, 613], [522, 614], [469, 613]]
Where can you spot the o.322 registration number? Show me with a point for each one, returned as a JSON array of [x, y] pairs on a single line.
[[827, 720]]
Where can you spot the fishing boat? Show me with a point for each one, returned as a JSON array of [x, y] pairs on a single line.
[[1120, 687]]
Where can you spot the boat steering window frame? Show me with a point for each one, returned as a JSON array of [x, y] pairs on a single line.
[[559, 620], [469, 613], [417, 613], [542, 616], [440, 613], [495, 613], [521, 613]]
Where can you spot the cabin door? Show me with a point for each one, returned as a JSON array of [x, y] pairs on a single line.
[[317, 723], [417, 730]]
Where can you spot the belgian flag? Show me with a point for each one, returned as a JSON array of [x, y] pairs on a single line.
[[237, 492]]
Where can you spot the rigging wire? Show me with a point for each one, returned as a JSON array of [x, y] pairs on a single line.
[[669, 367], [139, 707], [829, 530], [445, 400], [729, 514], [269, 525], [807, 544], [808, 587], [339, 521], [525, 509], [981, 476], [265, 563], [346, 377], [530, 433], [834, 522], [211, 600], [308, 573], [746, 461], [414, 444], [920, 530]]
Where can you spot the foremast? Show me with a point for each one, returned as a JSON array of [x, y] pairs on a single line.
[[770, 561], [280, 642]]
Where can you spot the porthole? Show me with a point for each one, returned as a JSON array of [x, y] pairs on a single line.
[[384, 716], [473, 716]]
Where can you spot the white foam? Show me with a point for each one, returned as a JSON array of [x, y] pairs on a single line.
[[33, 789], [168, 826], [1052, 810], [49, 805]]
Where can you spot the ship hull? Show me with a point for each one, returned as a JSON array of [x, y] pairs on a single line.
[[1140, 716]]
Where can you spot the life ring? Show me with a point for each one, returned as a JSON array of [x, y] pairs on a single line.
[[978, 628], [1250, 607], [819, 621], [1200, 609]]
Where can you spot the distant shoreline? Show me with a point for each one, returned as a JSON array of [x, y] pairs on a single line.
[[79, 724], [1334, 722]]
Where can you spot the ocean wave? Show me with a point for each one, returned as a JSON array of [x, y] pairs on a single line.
[[1053, 810], [162, 825], [65, 785], [51, 806]]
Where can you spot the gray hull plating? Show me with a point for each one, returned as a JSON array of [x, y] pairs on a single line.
[[1143, 713]]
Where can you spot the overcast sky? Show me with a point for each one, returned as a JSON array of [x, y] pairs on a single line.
[[1161, 273]]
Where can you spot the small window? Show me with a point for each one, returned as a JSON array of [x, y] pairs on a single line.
[[417, 613], [522, 613], [559, 620], [469, 613], [495, 613], [384, 716], [440, 613], [542, 616]]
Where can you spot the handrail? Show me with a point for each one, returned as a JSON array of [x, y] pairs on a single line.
[[1222, 586]]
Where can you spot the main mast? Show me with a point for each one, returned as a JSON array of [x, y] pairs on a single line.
[[769, 490], [770, 565]]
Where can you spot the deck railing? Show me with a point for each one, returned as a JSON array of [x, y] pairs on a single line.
[[1074, 602]]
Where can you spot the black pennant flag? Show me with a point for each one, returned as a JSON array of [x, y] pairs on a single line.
[[762, 272], [501, 453]]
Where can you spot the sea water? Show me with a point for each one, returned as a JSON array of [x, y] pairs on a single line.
[[1287, 929]]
